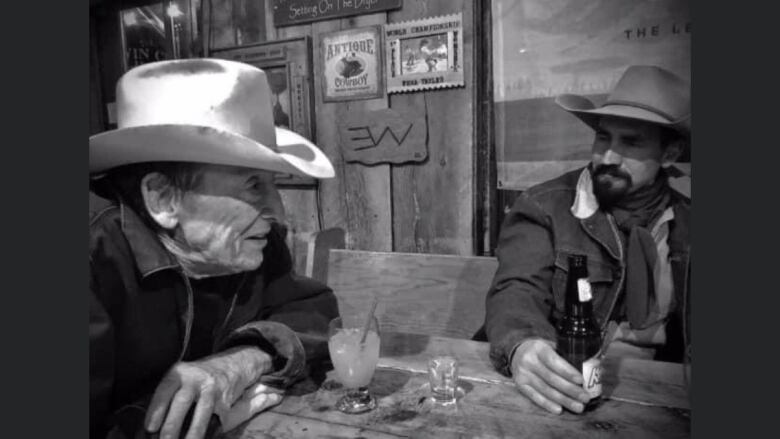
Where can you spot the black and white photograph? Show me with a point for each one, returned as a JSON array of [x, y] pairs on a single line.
[[424, 54], [392, 219]]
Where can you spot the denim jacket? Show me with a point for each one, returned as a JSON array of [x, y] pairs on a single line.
[[141, 315], [526, 298]]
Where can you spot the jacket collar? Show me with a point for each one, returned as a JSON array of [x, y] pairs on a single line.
[[149, 254], [585, 203], [586, 208]]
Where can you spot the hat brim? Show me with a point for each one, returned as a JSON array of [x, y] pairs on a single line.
[[190, 143], [587, 111]]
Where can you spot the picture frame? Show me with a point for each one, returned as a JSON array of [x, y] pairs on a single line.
[[535, 139], [155, 31], [424, 54], [288, 66], [352, 64], [144, 35]]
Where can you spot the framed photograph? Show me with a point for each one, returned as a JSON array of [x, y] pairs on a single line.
[[288, 66], [352, 64], [155, 31], [424, 54], [536, 140]]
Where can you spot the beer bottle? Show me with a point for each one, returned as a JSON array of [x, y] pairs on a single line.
[[579, 337]]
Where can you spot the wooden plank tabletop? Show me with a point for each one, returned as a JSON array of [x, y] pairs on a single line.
[[643, 399], [641, 381]]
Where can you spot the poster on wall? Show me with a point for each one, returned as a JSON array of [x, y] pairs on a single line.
[[542, 49], [352, 64], [424, 54]]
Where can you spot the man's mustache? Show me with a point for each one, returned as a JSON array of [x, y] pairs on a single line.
[[612, 171]]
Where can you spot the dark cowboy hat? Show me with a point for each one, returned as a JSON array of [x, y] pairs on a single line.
[[646, 93]]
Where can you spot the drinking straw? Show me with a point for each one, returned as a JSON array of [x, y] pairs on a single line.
[[368, 319]]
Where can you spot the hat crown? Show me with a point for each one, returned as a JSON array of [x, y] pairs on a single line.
[[221, 94], [653, 89]]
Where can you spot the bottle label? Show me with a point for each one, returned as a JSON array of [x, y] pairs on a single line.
[[583, 287], [591, 374]]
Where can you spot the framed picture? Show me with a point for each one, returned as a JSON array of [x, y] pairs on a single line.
[[288, 66], [352, 64], [155, 31], [535, 140], [424, 54]]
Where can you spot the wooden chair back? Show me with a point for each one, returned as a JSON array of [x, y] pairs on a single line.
[[431, 294]]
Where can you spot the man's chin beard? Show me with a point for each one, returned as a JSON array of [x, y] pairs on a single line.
[[608, 194]]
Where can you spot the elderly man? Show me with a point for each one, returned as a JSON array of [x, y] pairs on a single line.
[[194, 309], [622, 214]]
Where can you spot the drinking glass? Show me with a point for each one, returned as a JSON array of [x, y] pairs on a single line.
[[354, 361], [443, 378]]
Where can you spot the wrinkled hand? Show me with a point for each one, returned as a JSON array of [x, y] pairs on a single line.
[[546, 378], [255, 399], [213, 384]]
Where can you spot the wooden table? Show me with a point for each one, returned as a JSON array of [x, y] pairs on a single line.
[[642, 399]]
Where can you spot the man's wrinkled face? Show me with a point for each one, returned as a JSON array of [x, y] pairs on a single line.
[[225, 219], [626, 156]]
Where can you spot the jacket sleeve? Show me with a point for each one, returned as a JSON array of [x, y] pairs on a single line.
[[292, 327], [520, 299]]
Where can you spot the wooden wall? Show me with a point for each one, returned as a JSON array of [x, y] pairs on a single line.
[[423, 207]]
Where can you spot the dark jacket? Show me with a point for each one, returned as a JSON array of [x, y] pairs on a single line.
[[526, 298], [142, 309]]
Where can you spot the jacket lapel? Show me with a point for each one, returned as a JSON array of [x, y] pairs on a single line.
[[597, 226]]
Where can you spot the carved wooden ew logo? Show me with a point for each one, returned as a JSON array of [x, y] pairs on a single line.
[[384, 136]]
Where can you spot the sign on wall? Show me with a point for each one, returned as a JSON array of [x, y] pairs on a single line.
[[384, 136], [352, 64], [291, 12], [424, 54]]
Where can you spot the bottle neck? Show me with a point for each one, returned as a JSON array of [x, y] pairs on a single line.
[[577, 309]]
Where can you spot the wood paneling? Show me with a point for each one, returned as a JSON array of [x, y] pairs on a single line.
[[423, 207], [301, 211], [433, 201], [358, 199]]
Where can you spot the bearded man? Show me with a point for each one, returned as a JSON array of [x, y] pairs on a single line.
[[620, 212]]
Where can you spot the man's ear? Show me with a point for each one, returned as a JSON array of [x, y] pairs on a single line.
[[672, 152], [161, 199]]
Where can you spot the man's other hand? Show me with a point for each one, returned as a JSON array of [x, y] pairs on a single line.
[[546, 378], [213, 385], [255, 399]]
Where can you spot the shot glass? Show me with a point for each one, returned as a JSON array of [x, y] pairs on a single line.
[[443, 378]]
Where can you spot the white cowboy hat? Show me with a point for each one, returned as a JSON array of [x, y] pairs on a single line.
[[201, 110], [647, 93]]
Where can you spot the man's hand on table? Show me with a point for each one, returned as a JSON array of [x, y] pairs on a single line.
[[546, 378], [223, 384]]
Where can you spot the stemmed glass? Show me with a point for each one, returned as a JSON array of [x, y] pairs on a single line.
[[354, 361]]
